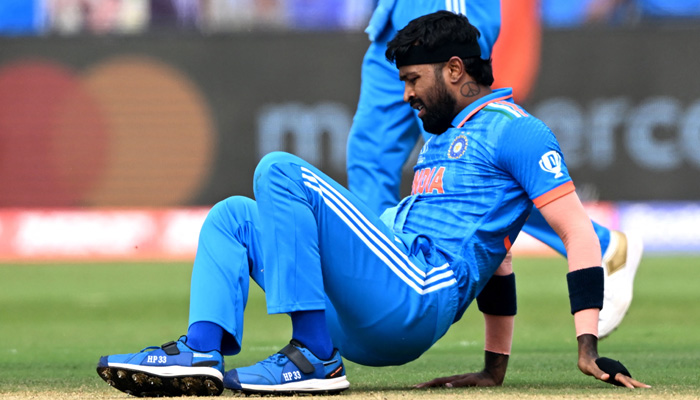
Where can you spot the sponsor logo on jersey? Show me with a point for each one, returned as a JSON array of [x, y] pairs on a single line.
[[551, 162], [458, 147]]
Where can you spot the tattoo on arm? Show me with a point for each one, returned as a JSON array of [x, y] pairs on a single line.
[[470, 89]]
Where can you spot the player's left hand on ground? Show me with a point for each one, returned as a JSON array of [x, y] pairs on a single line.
[[610, 371], [472, 379], [615, 373], [603, 368], [493, 374]]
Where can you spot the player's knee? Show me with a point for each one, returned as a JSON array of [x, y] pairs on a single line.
[[236, 208], [272, 161]]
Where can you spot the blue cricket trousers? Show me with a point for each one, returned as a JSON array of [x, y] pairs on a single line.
[[311, 245]]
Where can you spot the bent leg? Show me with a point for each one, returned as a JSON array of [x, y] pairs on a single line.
[[388, 306], [228, 254]]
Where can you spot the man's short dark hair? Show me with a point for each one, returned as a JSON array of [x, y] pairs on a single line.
[[436, 31]]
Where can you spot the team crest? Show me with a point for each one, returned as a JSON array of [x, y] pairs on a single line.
[[458, 147]]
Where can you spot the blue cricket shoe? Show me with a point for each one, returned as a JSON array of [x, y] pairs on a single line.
[[294, 370], [172, 369]]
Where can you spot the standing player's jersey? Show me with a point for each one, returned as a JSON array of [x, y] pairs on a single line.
[[484, 14], [475, 184]]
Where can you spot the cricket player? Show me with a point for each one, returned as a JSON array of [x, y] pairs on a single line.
[[385, 130], [381, 290]]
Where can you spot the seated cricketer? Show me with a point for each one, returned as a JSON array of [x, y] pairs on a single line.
[[381, 290], [385, 130]]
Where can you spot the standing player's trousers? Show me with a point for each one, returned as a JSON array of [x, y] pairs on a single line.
[[311, 245]]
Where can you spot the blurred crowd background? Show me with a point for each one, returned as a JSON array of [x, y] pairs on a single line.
[[66, 17], [130, 17]]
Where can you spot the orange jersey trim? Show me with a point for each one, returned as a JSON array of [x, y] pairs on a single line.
[[554, 194], [507, 243]]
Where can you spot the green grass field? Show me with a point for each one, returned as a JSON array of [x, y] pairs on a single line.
[[57, 319]]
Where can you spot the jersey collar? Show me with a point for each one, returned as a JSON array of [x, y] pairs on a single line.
[[473, 108]]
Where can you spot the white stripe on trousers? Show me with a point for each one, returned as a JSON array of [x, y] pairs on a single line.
[[377, 242]]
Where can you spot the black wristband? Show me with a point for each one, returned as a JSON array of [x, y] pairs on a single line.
[[585, 288], [498, 296], [612, 367]]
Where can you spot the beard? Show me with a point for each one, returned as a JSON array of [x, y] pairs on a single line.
[[440, 112]]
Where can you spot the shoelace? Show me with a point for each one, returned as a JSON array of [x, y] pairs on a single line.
[[277, 359]]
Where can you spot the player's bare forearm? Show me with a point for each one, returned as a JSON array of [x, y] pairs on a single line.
[[498, 333], [493, 374], [568, 218]]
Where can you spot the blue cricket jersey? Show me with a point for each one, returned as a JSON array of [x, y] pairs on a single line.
[[474, 186]]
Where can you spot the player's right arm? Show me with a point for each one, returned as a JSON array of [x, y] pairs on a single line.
[[569, 219], [529, 151]]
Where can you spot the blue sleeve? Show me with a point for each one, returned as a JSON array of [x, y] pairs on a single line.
[[529, 151]]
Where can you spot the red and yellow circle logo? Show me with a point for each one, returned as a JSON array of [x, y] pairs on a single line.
[[129, 131]]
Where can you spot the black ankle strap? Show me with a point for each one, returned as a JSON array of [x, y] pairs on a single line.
[[170, 348], [298, 358]]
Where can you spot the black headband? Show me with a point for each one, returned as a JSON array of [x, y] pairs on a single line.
[[421, 55]]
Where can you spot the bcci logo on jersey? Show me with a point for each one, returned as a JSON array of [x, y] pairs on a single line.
[[551, 162], [458, 147]]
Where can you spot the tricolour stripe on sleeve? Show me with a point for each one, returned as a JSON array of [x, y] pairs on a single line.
[[510, 107]]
